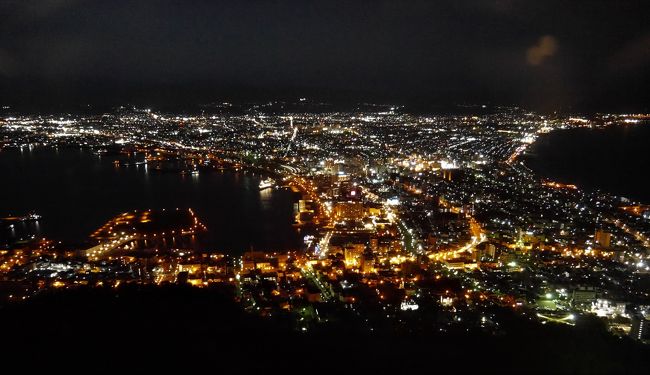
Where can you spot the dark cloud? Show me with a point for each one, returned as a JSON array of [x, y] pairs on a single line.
[[6, 64], [448, 50], [545, 48], [633, 55], [33, 10]]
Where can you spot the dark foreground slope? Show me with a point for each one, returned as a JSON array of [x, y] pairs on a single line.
[[144, 328]]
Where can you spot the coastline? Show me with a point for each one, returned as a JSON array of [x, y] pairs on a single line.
[[563, 155], [224, 205]]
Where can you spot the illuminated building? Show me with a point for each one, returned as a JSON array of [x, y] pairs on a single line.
[[349, 210], [602, 238], [305, 205], [640, 328], [306, 211], [486, 250], [353, 253], [583, 296], [257, 260], [367, 261], [605, 308]]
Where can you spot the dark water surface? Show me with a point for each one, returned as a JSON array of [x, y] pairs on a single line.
[[77, 191], [614, 159]]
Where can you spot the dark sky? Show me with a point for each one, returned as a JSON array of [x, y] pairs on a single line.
[[568, 54]]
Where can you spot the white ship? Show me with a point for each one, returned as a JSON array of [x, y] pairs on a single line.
[[265, 184]]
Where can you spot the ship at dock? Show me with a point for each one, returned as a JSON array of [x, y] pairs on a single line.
[[29, 217], [267, 184]]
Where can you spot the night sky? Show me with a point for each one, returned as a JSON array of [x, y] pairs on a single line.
[[569, 54]]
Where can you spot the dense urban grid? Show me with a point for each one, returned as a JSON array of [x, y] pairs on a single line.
[[409, 220]]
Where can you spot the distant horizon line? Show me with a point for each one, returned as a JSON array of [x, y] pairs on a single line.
[[225, 103]]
